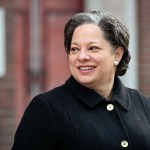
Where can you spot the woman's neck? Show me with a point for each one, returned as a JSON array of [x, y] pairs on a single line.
[[106, 90]]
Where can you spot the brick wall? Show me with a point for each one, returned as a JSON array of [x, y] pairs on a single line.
[[7, 84], [144, 45]]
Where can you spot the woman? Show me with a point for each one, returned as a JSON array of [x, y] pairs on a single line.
[[93, 110]]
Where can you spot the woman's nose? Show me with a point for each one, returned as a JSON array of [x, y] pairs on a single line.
[[83, 56]]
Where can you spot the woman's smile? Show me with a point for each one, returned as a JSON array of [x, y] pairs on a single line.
[[86, 69]]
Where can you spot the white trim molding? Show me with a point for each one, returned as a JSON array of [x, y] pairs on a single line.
[[2, 43]]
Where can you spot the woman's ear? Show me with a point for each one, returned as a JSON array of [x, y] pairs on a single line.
[[118, 54]]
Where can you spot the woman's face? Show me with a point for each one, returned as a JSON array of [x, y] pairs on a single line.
[[91, 59]]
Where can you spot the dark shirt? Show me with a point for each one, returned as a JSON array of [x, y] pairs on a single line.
[[73, 117]]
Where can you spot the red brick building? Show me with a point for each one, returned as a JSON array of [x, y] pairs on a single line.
[[35, 57], [144, 45]]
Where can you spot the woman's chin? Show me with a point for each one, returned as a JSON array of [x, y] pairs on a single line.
[[85, 80]]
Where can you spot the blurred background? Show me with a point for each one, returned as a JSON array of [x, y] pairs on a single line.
[[32, 55]]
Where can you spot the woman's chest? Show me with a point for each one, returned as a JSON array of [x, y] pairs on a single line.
[[104, 127]]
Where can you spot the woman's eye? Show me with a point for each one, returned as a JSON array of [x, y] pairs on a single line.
[[94, 48], [74, 49]]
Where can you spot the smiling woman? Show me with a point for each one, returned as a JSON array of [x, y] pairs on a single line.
[[92, 110]]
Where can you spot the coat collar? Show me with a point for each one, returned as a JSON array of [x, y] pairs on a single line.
[[92, 98], [121, 95]]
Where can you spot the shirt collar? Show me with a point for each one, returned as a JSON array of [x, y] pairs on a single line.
[[91, 98]]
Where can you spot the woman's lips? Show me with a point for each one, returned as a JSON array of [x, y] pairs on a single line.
[[86, 69]]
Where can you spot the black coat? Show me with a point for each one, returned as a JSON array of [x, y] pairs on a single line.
[[73, 117]]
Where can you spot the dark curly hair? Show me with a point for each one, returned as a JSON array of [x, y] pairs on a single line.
[[114, 32]]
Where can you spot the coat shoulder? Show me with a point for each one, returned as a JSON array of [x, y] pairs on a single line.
[[54, 96], [138, 96]]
